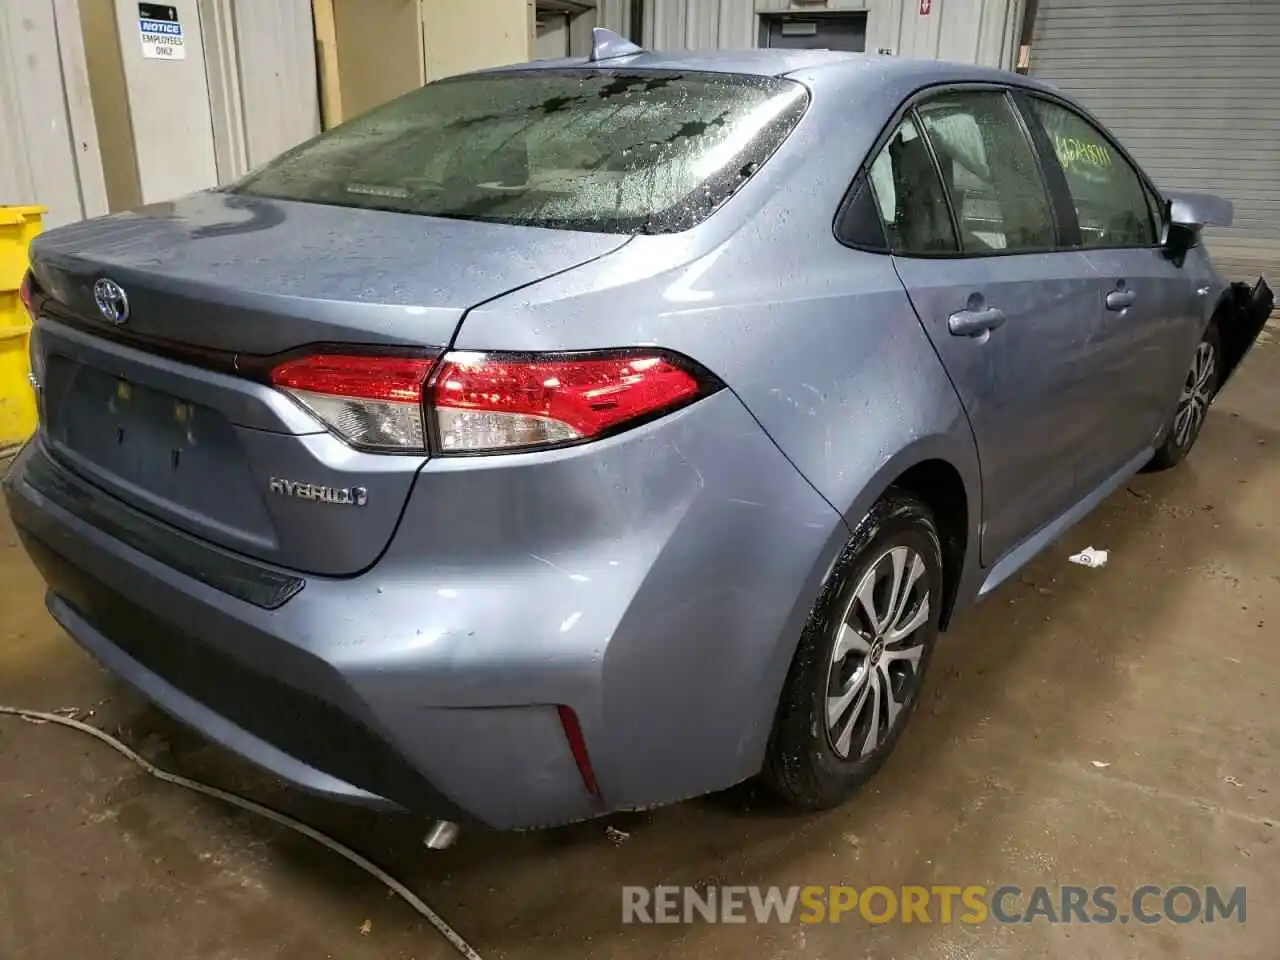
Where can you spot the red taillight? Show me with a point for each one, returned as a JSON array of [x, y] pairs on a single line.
[[24, 294], [488, 402], [371, 401], [485, 402]]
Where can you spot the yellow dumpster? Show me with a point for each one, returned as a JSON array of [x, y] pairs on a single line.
[[18, 225]]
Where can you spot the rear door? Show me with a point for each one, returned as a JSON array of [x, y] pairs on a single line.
[[1150, 314], [1012, 315]]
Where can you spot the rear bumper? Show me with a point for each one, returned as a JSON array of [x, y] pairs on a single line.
[[197, 652], [654, 583]]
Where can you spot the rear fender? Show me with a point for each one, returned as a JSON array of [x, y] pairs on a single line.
[[1242, 313], [956, 449]]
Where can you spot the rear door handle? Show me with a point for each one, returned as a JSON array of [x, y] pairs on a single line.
[[973, 323], [1120, 299]]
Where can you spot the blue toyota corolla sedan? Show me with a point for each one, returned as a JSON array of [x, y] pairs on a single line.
[[587, 435]]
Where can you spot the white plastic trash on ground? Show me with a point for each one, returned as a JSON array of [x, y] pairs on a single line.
[[1089, 557]]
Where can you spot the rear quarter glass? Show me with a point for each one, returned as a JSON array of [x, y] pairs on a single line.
[[595, 150]]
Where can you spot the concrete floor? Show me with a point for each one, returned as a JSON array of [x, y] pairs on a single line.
[[1162, 665]]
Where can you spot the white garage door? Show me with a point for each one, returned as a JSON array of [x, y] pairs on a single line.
[[1192, 88]]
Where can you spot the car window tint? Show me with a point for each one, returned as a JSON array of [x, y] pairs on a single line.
[[990, 171], [1111, 202], [600, 150], [909, 196], [860, 223]]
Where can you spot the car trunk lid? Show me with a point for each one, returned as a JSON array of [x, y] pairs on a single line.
[[249, 275], [158, 410]]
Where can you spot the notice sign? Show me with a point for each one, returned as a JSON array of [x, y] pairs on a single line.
[[162, 40]]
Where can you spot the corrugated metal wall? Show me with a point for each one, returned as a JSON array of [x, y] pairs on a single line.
[[615, 15], [48, 140], [966, 31], [277, 59], [699, 24], [972, 31], [261, 63], [1192, 87], [262, 89]]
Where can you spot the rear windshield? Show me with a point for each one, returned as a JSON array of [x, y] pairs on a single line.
[[642, 152]]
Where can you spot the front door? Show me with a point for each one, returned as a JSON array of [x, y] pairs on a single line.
[[1012, 317], [1151, 317]]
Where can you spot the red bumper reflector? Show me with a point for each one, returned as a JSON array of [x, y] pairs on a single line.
[[578, 745]]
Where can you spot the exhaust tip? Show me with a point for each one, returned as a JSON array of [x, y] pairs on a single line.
[[441, 836]]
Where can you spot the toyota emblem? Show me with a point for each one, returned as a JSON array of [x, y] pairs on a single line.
[[112, 301]]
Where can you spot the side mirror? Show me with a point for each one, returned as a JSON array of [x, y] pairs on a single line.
[[1200, 210], [1187, 214], [1178, 234]]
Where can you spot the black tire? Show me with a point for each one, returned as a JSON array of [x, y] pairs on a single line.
[[1197, 395], [804, 765]]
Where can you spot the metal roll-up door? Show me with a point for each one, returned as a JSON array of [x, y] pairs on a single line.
[[829, 31], [1192, 89]]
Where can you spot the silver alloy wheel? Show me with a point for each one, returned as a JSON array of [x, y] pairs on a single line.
[[1194, 402], [875, 662]]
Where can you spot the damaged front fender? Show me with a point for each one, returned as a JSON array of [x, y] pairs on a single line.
[[1242, 313]]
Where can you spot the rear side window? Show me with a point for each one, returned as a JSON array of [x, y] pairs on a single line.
[[617, 152], [1112, 205], [990, 171], [909, 196]]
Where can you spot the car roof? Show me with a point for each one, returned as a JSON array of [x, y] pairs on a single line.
[[817, 67]]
